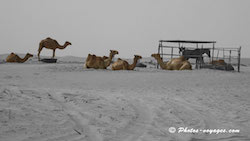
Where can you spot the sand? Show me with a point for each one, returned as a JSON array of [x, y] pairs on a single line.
[[65, 102]]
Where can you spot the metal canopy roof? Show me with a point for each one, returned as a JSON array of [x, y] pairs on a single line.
[[188, 41]]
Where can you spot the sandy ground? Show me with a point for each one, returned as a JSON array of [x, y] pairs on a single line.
[[64, 102]]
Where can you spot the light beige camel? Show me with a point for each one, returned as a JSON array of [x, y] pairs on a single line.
[[174, 64], [50, 43], [97, 62], [124, 65], [13, 58]]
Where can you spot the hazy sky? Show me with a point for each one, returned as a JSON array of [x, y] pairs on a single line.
[[129, 26]]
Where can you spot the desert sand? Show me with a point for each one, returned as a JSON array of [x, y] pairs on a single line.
[[65, 102]]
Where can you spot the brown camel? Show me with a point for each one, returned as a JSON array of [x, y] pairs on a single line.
[[13, 58], [97, 62], [221, 65], [174, 64], [218, 62], [51, 44], [124, 65], [105, 57]]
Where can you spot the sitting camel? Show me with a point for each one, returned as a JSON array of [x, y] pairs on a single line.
[[13, 58], [123, 65], [221, 65], [218, 62], [50, 43], [105, 57], [174, 64], [97, 62]]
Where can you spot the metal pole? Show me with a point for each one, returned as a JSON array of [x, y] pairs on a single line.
[[161, 51], [230, 51], [201, 56], [179, 49], [217, 55], [239, 52], [172, 52], [223, 54], [213, 53], [157, 66], [196, 62]]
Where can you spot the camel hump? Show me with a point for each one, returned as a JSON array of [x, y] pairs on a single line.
[[51, 40], [48, 38]]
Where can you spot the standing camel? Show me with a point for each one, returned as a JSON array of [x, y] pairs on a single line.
[[174, 64], [124, 65], [14, 58], [50, 43]]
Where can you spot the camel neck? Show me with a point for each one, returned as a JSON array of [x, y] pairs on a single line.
[[63, 46], [24, 59], [132, 66], [109, 60], [110, 56], [161, 63]]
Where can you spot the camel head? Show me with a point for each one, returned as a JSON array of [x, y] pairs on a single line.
[[137, 57], [114, 52], [29, 55], [156, 56], [67, 43]]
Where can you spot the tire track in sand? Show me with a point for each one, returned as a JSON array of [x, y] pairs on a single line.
[[80, 123], [137, 126]]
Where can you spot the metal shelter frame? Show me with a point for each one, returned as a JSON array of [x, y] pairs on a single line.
[[199, 44]]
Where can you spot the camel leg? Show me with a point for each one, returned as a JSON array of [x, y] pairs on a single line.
[[39, 51], [53, 53], [124, 68], [183, 67], [186, 67]]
